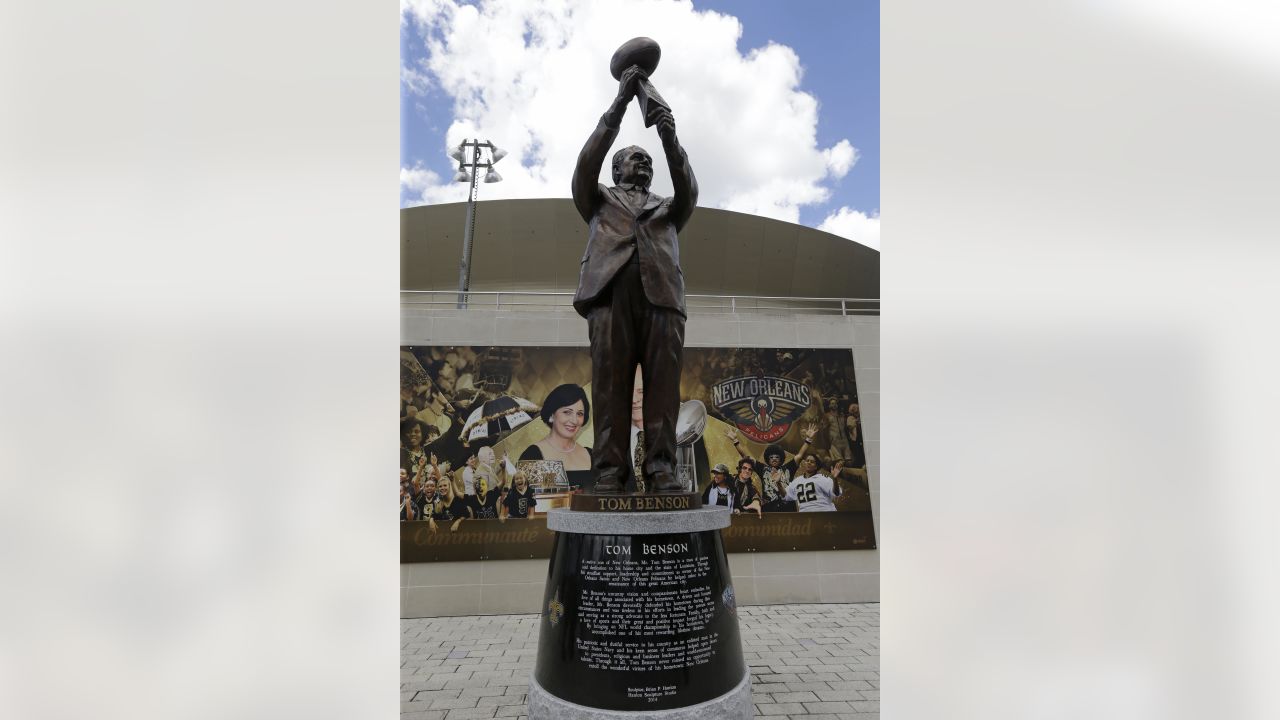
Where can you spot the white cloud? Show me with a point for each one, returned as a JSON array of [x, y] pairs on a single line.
[[856, 226], [532, 75], [428, 187], [840, 158]]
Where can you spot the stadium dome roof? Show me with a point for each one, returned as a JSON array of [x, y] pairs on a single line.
[[536, 245]]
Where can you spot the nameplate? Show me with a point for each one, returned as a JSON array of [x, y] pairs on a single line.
[[636, 503]]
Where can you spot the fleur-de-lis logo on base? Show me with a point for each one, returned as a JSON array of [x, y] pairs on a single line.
[[555, 609], [730, 600]]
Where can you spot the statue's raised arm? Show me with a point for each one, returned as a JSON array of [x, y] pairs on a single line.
[[586, 174], [682, 179]]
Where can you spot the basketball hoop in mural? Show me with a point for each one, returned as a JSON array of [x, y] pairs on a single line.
[[497, 417]]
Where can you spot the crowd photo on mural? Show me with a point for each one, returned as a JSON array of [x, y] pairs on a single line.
[[499, 433]]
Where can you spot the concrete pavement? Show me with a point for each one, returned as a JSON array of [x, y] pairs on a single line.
[[807, 661]]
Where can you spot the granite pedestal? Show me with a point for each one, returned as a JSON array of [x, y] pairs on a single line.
[[639, 619]]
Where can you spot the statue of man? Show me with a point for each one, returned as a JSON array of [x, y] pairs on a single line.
[[631, 291]]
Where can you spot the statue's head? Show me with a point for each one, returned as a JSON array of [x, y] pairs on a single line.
[[633, 165]]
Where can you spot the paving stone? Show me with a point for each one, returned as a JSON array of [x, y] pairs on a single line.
[[851, 685], [480, 691], [429, 695], [453, 703], [790, 697], [470, 713], [831, 695], [466, 682], [810, 686], [780, 708], [423, 715], [828, 707]]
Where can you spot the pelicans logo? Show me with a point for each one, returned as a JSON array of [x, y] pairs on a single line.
[[762, 407]]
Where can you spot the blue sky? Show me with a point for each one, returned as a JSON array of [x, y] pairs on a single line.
[[532, 77], [839, 47]]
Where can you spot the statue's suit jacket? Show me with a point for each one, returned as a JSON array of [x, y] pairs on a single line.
[[616, 228]]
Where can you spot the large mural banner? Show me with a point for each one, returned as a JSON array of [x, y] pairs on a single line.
[[492, 437]]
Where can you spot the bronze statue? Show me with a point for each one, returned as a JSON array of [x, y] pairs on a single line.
[[631, 290]]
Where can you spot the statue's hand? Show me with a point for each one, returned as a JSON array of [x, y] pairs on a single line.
[[629, 83], [666, 127]]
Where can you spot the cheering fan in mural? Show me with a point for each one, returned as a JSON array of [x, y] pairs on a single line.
[[519, 500], [460, 508], [837, 440], [565, 411], [775, 471], [434, 504], [853, 430], [483, 505], [489, 470], [719, 491], [811, 490], [414, 436], [495, 418], [747, 490], [408, 509]]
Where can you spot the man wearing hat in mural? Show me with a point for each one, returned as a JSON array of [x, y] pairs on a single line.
[[719, 491]]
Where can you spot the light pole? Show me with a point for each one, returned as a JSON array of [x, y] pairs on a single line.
[[468, 156]]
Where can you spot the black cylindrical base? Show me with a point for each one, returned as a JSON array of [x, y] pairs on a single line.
[[639, 622]]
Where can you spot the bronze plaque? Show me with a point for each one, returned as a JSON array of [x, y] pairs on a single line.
[[633, 502]]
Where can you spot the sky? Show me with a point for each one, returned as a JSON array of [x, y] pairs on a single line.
[[777, 104]]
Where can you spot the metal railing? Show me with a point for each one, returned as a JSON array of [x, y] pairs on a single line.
[[696, 304]]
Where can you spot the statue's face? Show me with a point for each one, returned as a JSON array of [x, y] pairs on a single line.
[[636, 167]]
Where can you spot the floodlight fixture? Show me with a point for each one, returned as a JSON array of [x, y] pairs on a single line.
[[470, 160]]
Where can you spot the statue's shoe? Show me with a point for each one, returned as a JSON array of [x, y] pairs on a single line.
[[665, 483], [607, 485]]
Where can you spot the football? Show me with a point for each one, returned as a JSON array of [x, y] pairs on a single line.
[[640, 51]]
